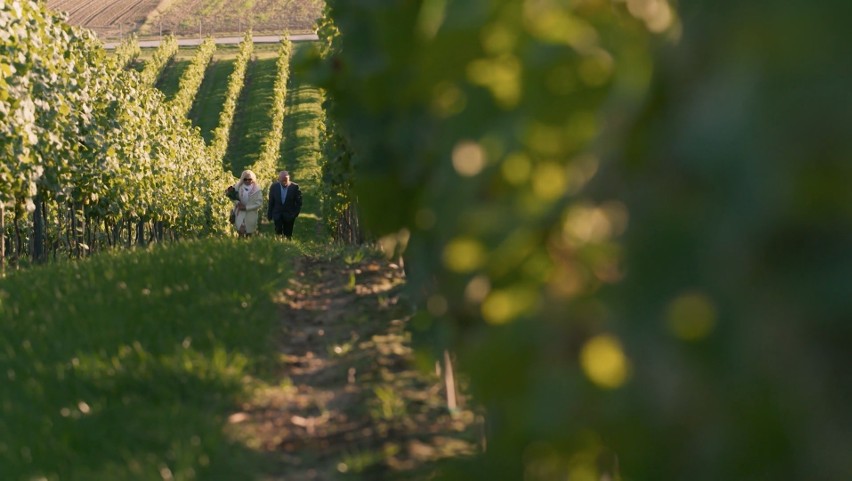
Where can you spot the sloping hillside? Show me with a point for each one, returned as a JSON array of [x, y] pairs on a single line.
[[116, 18], [224, 359]]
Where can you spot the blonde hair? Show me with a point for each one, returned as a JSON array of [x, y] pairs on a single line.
[[247, 174]]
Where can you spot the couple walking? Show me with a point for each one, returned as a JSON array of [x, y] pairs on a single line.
[[284, 205]]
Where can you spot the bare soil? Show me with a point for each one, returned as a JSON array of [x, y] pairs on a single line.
[[219, 17], [345, 397], [112, 19], [106, 17]]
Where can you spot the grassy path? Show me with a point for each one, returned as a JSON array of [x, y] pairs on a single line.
[[300, 155], [346, 401], [300, 144], [253, 116], [300, 148], [211, 95], [169, 80]]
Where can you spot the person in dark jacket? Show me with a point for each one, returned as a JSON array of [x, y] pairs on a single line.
[[285, 203]]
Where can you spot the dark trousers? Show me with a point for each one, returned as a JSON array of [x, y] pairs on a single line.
[[284, 226]]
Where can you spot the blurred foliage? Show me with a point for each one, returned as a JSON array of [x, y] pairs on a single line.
[[630, 223]]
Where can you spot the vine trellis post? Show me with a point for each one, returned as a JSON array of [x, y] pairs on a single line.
[[2, 239]]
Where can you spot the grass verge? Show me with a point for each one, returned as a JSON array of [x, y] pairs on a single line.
[[125, 365]]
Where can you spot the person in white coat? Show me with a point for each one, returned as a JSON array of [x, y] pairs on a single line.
[[250, 199]]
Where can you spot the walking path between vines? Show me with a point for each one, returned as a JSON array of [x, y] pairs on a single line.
[[346, 397], [223, 358]]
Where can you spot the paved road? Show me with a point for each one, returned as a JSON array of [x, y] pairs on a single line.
[[188, 42]]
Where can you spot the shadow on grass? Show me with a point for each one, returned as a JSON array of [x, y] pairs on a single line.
[[136, 64], [210, 97], [350, 403], [300, 152], [126, 366], [305, 229], [169, 81], [252, 119], [150, 421]]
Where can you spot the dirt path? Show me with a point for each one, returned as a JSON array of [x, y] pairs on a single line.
[[345, 398], [190, 42]]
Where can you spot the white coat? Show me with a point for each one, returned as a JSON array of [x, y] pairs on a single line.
[[252, 197]]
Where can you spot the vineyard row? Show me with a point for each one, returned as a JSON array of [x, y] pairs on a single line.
[[93, 156], [221, 135]]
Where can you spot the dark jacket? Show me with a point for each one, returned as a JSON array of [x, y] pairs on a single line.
[[292, 204]]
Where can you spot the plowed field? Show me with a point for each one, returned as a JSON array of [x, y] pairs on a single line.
[[106, 17], [187, 17], [114, 18]]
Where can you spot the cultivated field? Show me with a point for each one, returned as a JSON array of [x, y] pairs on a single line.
[[116, 18], [186, 17], [106, 17]]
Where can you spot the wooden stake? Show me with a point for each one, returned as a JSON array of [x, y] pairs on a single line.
[[450, 382]]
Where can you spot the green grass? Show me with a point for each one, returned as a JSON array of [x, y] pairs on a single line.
[[300, 147], [300, 144], [125, 366], [253, 116], [138, 63], [169, 81], [211, 95]]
